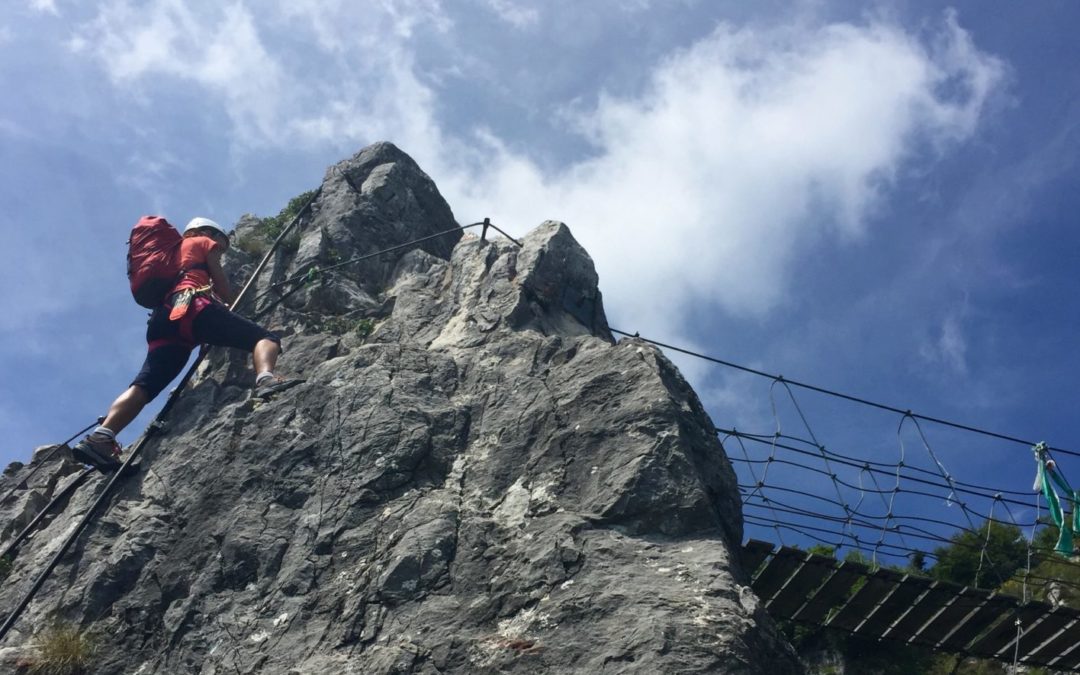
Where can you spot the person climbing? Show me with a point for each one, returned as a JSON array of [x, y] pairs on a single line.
[[195, 311]]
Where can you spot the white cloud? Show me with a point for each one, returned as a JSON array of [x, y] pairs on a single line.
[[217, 49], [701, 188], [634, 5], [514, 13], [45, 6], [949, 347], [745, 146]]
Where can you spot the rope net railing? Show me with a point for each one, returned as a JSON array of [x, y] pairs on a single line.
[[889, 487]]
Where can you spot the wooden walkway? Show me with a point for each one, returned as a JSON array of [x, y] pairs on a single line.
[[889, 605]]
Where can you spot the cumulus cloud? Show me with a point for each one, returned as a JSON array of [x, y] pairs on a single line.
[[744, 146], [514, 13], [948, 348], [700, 188], [45, 6], [217, 48]]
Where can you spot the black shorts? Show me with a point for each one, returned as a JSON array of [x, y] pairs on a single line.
[[169, 351]]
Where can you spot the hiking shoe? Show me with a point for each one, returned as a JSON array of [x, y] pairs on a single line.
[[99, 452], [269, 386]]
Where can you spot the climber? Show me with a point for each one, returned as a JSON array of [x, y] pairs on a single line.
[[194, 312]]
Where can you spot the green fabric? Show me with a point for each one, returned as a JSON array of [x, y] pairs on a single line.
[[1066, 530]]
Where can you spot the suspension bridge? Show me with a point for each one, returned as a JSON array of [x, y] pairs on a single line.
[[886, 505], [892, 504]]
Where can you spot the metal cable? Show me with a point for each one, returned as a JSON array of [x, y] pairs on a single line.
[[48, 455], [891, 465], [836, 394], [852, 462], [308, 275], [137, 447], [64, 493]]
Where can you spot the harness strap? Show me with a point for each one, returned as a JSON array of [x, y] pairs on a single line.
[[160, 342]]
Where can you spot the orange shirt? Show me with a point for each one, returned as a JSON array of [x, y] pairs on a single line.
[[194, 252]]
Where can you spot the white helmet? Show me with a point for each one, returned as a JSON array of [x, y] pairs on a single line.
[[199, 222]]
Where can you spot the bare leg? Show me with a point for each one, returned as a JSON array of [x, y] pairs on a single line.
[[265, 355], [126, 408]]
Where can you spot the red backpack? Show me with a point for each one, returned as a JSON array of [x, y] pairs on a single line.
[[153, 260]]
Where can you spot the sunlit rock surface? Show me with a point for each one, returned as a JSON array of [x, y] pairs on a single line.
[[474, 479]]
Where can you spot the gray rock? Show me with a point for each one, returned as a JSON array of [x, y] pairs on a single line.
[[484, 483], [26, 489]]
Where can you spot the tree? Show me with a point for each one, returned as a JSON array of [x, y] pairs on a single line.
[[985, 558]]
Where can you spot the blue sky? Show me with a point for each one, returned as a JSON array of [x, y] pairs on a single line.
[[878, 199]]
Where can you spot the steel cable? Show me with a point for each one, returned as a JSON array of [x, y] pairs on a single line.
[[836, 394]]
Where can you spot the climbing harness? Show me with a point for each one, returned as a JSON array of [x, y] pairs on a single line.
[[1047, 475], [182, 300]]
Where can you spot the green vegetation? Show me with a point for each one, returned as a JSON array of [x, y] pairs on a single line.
[[5, 567], [258, 240], [962, 561], [62, 649], [1053, 578], [364, 327], [340, 325], [272, 227]]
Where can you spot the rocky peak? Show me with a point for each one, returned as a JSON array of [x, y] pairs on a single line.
[[474, 479]]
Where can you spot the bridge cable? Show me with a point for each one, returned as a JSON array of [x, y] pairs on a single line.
[[837, 394]]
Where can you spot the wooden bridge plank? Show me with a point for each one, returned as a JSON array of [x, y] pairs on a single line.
[[776, 573], [859, 606], [1055, 620], [1004, 634], [797, 591], [901, 600], [992, 611], [917, 610], [1057, 645], [1070, 661], [832, 593], [910, 624], [754, 553], [963, 602]]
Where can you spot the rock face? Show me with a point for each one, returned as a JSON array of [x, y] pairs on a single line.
[[474, 478]]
